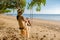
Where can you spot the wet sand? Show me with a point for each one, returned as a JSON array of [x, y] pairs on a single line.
[[40, 29]]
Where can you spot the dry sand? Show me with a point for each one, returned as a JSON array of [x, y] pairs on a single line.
[[40, 29]]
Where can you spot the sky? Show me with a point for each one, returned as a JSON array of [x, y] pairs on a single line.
[[51, 7]]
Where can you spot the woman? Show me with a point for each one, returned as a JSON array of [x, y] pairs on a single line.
[[23, 24]]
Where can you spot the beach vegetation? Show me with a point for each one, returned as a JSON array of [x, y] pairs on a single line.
[[22, 4]]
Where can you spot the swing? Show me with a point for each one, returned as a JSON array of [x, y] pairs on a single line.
[[26, 32]]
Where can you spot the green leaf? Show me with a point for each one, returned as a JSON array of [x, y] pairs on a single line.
[[43, 2]]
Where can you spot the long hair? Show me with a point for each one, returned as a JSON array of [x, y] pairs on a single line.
[[19, 13]]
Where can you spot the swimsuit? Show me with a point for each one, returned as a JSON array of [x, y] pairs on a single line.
[[21, 28]]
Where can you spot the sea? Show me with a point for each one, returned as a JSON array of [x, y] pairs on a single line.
[[54, 17]]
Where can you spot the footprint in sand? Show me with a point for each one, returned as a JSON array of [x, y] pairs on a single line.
[[43, 37]]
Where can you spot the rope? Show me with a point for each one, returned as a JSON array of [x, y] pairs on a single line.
[[31, 13]]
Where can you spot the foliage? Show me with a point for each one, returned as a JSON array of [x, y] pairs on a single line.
[[12, 4], [5, 11], [4, 4], [36, 3]]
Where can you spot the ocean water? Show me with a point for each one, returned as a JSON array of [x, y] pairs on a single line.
[[55, 17]]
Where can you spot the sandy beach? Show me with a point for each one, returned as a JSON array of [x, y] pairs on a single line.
[[40, 29]]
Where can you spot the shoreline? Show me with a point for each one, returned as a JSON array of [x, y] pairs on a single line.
[[38, 18], [47, 20]]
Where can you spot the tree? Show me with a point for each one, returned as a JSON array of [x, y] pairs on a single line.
[[4, 4]]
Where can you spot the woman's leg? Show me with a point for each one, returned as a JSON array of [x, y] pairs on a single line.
[[25, 33]]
